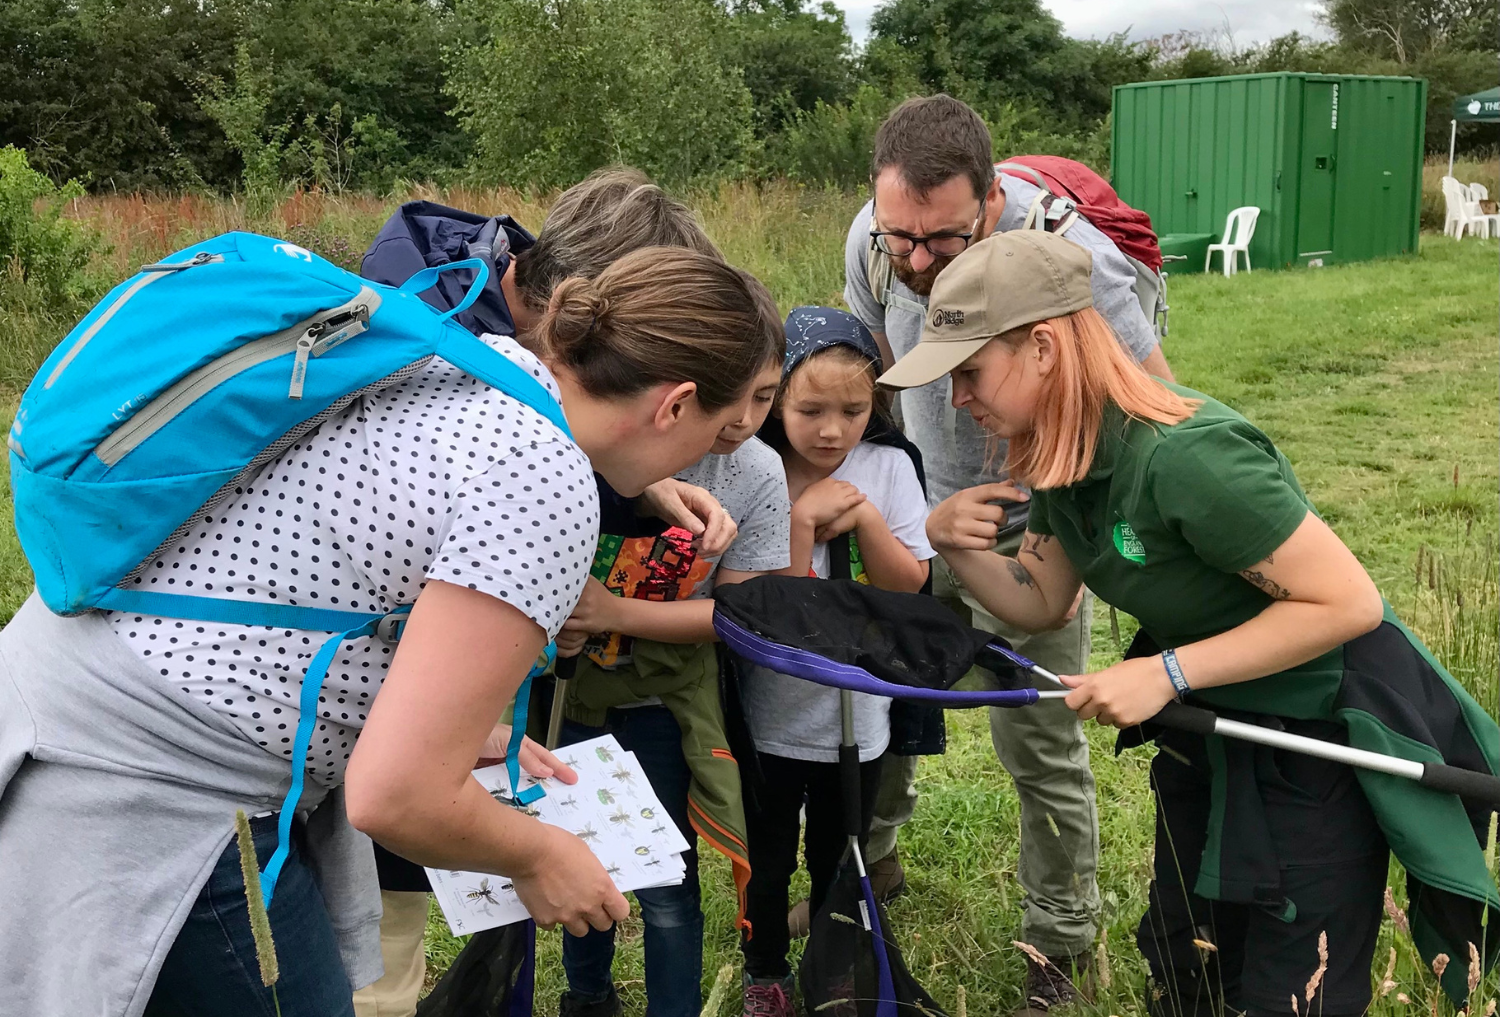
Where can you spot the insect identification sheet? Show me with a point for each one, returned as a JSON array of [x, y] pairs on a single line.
[[612, 809]]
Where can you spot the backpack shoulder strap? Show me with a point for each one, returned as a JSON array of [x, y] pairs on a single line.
[[1051, 213], [471, 354], [1019, 169]]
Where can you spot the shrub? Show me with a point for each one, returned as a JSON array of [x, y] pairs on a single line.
[[563, 87], [49, 251], [829, 143]]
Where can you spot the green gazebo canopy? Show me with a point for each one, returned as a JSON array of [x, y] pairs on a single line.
[[1479, 106]]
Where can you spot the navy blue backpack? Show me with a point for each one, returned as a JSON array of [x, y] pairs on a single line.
[[186, 380], [424, 234]]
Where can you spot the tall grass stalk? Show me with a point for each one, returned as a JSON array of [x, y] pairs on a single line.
[[260, 921], [1456, 611], [719, 993]]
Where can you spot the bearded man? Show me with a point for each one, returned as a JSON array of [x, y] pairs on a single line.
[[936, 193]]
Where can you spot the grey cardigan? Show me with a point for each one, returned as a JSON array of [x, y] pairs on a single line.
[[117, 797]]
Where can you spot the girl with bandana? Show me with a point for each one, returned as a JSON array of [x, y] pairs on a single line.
[[855, 494]]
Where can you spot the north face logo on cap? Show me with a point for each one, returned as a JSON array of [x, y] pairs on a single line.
[[942, 317]]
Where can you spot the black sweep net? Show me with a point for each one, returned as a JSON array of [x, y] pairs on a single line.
[[840, 974], [902, 638], [494, 976]]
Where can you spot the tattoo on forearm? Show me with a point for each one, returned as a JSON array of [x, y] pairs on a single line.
[[1019, 574], [1032, 544], [1266, 584]]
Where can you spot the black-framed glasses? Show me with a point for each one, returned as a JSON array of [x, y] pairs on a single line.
[[940, 245]]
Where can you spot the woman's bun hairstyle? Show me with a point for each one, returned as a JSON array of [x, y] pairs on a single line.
[[572, 318], [664, 314]]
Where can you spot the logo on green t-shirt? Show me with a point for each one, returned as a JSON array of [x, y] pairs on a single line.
[[1128, 544]]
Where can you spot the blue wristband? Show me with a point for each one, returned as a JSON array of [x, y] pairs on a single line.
[[1174, 673]]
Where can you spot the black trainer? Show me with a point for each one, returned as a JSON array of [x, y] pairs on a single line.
[[573, 1005]]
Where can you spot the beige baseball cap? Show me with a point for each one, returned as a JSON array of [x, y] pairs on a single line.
[[1003, 282]]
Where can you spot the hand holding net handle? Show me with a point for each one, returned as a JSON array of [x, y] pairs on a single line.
[[1473, 785]]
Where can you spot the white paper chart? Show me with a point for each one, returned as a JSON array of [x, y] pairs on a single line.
[[612, 808]]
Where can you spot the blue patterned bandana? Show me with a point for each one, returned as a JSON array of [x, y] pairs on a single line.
[[810, 330]]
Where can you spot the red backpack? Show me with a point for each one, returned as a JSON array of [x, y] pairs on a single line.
[[1092, 197]]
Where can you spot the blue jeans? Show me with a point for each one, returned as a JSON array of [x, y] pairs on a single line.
[[672, 914], [211, 970]]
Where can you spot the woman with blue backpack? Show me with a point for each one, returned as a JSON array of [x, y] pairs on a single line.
[[589, 226], [237, 555]]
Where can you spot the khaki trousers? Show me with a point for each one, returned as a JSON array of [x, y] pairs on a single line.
[[402, 928], [1044, 749]]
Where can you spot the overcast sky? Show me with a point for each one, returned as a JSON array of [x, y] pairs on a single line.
[[1250, 20]]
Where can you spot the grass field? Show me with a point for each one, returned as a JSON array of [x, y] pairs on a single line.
[[1378, 380]]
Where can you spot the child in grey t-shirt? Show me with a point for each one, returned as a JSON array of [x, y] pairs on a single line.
[[652, 585]]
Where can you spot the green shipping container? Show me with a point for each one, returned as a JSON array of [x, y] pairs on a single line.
[[1334, 162]]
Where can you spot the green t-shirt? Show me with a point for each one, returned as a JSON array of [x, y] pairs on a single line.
[[1170, 514], [1161, 526]]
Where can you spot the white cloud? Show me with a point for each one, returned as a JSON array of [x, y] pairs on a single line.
[[1251, 21]]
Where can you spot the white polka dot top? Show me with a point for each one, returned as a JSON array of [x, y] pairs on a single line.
[[438, 477]]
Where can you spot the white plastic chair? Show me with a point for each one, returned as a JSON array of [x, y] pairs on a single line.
[[1491, 222], [1463, 211], [1453, 217], [1239, 228]]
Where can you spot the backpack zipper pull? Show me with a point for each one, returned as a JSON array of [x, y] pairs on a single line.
[[299, 362], [340, 330]]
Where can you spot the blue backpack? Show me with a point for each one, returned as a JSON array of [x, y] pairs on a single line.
[[179, 387]]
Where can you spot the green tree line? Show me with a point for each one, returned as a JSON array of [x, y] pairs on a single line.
[[230, 94]]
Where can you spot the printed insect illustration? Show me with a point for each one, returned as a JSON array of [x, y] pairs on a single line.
[[483, 895], [624, 774], [659, 828], [568, 803], [571, 762], [654, 861], [648, 813], [588, 833], [505, 799], [605, 756], [606, 796], [613, 870], [620, 816], [643, 851]]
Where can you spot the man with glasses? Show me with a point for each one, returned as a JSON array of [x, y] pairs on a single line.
[[936, 192]]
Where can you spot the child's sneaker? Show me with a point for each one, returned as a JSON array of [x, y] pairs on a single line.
[[769, 997], [573, 1005]]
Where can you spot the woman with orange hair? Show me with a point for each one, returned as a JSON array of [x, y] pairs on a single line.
[[1177, 510]]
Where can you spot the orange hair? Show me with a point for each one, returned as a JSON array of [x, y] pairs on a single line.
[[1091, 371]]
